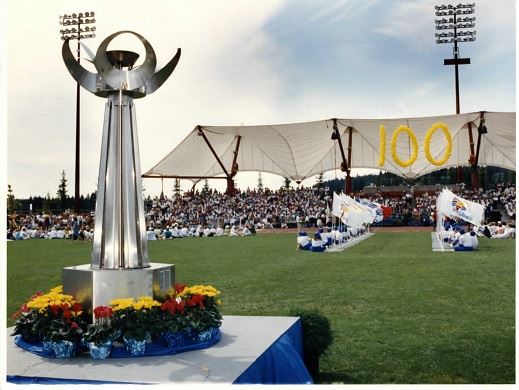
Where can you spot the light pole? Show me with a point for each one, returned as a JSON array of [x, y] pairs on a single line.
[[77, 26], [454, 17]]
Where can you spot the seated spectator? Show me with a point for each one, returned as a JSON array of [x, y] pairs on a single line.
[[233, 232], [246, 231], [303, 241], [464, 243], [150, 234], [475, 241], [318, 245], [509, 232]]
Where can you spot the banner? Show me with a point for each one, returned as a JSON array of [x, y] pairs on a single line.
[[374, 208], [454, 206]]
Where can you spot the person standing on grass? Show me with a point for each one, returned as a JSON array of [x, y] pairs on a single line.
[[75, 229]]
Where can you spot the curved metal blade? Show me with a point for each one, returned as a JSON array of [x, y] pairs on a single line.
[[90, 53], [162, 75], [86, 79], [120, 79]]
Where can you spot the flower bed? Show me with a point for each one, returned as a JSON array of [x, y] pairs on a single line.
[[55, 325]]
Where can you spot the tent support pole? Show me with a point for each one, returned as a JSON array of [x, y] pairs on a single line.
[[234, 169], [200, 132], [474, 174], [480, 132], [344, 163], [349, 187]]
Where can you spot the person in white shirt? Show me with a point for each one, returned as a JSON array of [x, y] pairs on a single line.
[[508, 233], [475, 241], [219, 232], [465, 242], [52, 233], [183, 232], [150, 235], [303, 241], [60, 233], [246, 231], [175, 232], [318, 245], [233, 232]]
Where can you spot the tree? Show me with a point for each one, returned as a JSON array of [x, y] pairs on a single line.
[[205, 188], [62, 191], [260, 182], [320, 180], [11, 202], [286, 183], [176, 189], [46, 204]]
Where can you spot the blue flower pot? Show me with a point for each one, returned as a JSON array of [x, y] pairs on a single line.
[[101, 351], [177, 339], [47, 349], [135, 347], [207, 335], [63, 349]]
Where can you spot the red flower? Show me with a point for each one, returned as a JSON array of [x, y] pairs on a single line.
[[65, 305], [36, 295], [55, 309], [73, 325], [103, 312], [22, 309], [67, 314], [180, 307], [77, 307], [179, 287], [196, 299]]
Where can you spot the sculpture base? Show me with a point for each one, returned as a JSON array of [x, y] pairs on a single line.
[[97, 287]]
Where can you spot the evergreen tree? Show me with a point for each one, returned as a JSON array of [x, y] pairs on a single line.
[[286, 183], [62, 191], [11, 202], [46, 204], [320, 180]]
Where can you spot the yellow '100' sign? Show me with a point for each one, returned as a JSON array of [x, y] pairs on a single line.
[[414, 145]]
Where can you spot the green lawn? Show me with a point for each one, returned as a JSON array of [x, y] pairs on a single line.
[[400, 313]]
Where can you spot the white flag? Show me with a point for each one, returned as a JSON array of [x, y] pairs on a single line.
[[455, 206]]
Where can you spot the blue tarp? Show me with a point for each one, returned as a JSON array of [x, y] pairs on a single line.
[[281, 363]]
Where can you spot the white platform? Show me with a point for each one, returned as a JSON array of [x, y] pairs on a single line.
[[244, 339], [347, 244], [438, 245]]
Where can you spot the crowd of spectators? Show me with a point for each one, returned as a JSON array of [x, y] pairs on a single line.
[[207, 211]]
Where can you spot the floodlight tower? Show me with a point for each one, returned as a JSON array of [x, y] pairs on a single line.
[[454, 17], [77, 26]]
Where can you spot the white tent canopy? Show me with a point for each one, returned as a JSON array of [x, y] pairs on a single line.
[[301, 150]]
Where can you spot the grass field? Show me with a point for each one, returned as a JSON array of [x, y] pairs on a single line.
[[400, 313]]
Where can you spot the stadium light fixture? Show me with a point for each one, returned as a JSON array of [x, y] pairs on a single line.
[[84, 30], [453, 18], [456, 20]]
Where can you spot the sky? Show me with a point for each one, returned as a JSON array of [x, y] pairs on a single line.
[[243, 62]]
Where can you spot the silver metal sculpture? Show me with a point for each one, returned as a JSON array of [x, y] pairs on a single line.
[[120, 230]]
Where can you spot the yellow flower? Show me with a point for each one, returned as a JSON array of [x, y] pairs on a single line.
[[382, 152], [57, 289], [208, 291], [414, 146], [121, 303], [427, 144]]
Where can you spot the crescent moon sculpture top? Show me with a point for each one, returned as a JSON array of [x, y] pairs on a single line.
[[111, 77]]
